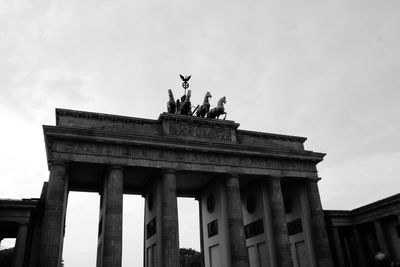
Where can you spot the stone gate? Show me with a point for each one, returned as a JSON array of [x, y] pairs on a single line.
[[258, 193]]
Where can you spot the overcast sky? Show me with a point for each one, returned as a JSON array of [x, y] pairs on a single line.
[[326, 70]]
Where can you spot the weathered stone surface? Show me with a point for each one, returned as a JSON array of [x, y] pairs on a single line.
[[319, 233], [176, 142], [197, 156], [112, 216], [281, 236], [169, 228], [183, 127], [54, 216], [21, 244], [198, 150], [239, 256]]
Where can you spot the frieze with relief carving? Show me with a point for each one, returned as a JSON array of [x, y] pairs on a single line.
[[182, 156], [185, 130]]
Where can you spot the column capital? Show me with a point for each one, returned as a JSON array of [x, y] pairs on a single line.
[[115, 167], [275, 178], [168, 170], [233, 175], [52, 163]]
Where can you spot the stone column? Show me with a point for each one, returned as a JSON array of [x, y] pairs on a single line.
[[269, 226], [21, 245], [380, 236], [112, 216], [338, 247], [320, 236], [281, 236], [54, 216], [359, 247], [237, 241], [305, 205], [169, 228]]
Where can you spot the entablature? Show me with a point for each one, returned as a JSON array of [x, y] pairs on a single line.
[[182, 127], [175, 141]]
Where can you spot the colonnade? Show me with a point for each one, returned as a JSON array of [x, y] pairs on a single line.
[[359, 252], [110, 228], [21, 245]]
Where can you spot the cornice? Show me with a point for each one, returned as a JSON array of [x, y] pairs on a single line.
[[377, 205], [272, 135], [378, 208], [99, 116]]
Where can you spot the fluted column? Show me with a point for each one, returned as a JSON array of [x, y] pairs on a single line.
[[238, 249], [113, 200], [359, 247], [20, 245], [319, 233], [281, 236], [338, 247], [305, 205], [54, 216], [380, 236], [169, 229], [269, 229]]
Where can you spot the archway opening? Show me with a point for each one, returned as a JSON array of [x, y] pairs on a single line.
[[7, 243], [7, 251], [80, 241], [189, 230], [132, 230]]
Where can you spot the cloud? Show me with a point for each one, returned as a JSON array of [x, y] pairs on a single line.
[[325, 70]]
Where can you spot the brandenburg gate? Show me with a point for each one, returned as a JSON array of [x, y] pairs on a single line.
[[257, 192]]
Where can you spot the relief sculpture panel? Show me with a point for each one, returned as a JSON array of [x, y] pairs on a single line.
[[185, 130], [198, 157]]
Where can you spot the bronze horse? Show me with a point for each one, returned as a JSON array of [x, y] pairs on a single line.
[[186, 106], [205, 108], [219, 110], [171, 106]]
